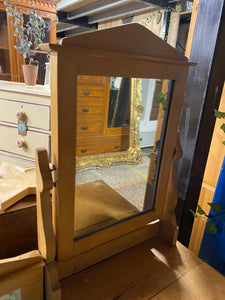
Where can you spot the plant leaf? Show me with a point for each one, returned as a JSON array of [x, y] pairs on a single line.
[[223, 127], [219, 114], [193, 213], [162, 99], [200, 211], [210, 227], [216, 207]]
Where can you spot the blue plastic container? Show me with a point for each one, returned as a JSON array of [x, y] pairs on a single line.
[[212, 247]]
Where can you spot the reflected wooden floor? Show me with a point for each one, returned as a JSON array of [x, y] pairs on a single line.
[[150, 270], [97, 205]]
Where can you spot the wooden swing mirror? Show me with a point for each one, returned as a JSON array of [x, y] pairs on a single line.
[[92, 222]]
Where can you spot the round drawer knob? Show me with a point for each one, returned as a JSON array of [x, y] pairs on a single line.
[[20, 143], [20, 115]]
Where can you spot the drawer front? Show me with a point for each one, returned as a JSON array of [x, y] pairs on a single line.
[[102, 145], [16, 160], [88, 129], [92, 80], [116, 144], [38, 116], [9, 137], [20, 96], [88, 118], [86, 108], [90, 93], [83, 149]]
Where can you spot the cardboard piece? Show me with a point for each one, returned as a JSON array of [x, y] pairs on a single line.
[[15, 183]]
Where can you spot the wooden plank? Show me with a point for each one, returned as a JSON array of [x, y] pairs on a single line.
[[140, 272], [191, 28], [113, 232], [202, 282], [205, 197], [217, 149], [145, 42], [63, 109], [173, 28], [161, 203], [106, 54], [168, 224], [103, 251], [9, 265], [52, 285], [211, 175], [66, 5], [46, 237], [29, 280]]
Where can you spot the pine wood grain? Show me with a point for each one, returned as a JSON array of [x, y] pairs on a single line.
[[211, 175], [14, 264], [150, 270]]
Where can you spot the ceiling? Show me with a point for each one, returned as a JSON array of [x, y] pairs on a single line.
[[76, 16]]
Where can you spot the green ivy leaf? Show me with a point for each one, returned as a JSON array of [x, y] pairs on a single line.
[[216, 207], [223, 127], [200, 211], [162, 99], [210, 227], [223, 142], [193, 213], [219, 114]]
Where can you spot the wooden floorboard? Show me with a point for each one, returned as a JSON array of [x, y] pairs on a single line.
[[150, 270]]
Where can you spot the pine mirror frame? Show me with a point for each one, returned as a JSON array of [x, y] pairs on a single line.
[[138, 53]]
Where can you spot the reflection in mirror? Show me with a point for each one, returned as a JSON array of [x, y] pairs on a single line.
[[105, 196], [119, 102]]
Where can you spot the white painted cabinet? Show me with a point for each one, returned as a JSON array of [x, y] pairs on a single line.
[[24, 122]]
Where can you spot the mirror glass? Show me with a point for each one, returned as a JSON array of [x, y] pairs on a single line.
[[119, 102], [110, 194]]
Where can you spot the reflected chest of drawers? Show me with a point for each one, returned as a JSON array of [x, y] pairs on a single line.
[[93, 134]]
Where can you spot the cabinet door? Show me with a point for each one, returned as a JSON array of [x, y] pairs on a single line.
[[5, 72]]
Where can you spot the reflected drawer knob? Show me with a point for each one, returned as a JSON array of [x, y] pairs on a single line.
[[86, 93], [20, 143], [116, 147], [84, 127], [20, 115], [83, 150], [85, 110]]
